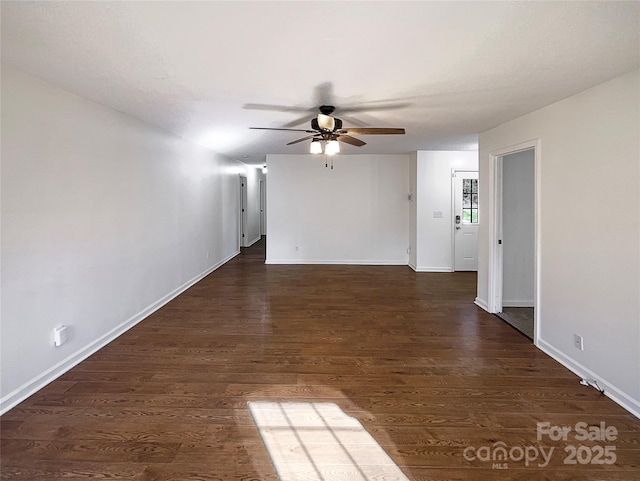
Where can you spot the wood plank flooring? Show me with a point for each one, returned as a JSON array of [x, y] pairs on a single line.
[[409, 355]]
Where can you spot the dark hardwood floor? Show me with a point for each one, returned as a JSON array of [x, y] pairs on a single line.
[[408, 354]]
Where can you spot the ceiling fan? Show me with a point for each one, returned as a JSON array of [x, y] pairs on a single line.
[[327, 133]]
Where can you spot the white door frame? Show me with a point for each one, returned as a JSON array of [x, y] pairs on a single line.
[[495, 228], [454, 172]]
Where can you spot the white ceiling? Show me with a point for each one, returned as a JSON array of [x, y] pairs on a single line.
[[201, 69]]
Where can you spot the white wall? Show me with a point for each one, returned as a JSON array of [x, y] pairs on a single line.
[[357, 213], [589, 273], [518, 233], [433, 243], [104, 219]]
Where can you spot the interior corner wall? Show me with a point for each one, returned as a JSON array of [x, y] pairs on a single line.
[[413, 209], [434, 235], [104, 219], [589, 238], [355, 213]]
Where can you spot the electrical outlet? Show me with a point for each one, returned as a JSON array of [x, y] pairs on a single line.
[[60, 335], [577, 341]]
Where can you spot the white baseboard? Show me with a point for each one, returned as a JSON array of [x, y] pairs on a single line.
[[618, 396], [253, 241], [517, 303], [429, 269], [34, 385], [433, 269], [481, 303], [337, 262]]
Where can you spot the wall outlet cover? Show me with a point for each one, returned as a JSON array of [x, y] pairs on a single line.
[[577, 342], [60, 335]]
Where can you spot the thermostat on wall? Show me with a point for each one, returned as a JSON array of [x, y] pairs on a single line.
[[60, 335]]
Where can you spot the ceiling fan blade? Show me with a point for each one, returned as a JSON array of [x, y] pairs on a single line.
[[356, 122], [302, 139], [300, 120], [372, 131], [288, 130], [373, 106], [277, 108], [347, 139]]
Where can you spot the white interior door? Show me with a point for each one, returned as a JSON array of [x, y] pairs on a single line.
[[243, 211], [263, 202], [465, 220]]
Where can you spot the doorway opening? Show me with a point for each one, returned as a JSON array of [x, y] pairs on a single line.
[[514, 231]]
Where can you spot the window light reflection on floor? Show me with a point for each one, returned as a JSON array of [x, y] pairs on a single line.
[[319, 442]]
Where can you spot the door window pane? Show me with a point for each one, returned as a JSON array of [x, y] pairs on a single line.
[[470, 201]]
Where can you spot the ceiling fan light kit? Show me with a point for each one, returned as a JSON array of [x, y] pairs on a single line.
[[327, 130], [332, 148], [315, 147]]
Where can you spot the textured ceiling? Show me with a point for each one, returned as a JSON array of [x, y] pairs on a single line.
[[207, 71]]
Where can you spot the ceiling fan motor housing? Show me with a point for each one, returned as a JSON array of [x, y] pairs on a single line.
[[337, 124]]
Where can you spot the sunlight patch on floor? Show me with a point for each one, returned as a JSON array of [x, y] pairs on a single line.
[[319, 442]]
